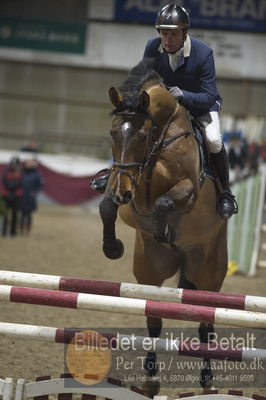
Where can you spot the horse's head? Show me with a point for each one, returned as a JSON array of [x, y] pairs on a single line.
[[131, 134], [142, 110], [135, 130]]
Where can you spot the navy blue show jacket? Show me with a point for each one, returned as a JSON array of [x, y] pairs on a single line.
[[195, 74]]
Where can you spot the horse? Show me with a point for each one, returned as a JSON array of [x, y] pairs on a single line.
[[157, 185]]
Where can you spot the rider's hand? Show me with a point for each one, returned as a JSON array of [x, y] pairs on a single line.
[[176, 92]]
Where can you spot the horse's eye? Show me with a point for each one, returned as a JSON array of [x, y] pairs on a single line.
[[112, 131], [143, 134]]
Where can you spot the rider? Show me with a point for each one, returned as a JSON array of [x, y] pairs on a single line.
[[187, 67]]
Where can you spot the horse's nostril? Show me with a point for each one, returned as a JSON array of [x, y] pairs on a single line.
[[127, 197]]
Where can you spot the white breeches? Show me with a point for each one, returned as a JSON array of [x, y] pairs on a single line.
[[211, 124]]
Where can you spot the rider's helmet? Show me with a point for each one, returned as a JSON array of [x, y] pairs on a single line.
[[172, 16]]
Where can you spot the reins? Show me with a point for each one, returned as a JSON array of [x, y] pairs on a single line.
[[177, 136], [154, 149], [160, 144]]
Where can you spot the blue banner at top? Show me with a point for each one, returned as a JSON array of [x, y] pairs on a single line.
[[239, 15]]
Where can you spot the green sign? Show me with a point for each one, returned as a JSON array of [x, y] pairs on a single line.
[[58, 36]]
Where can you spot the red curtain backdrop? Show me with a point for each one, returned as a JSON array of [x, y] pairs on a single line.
[[62, 188]]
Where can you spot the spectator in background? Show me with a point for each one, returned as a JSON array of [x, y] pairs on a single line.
[[32, 183], [254, 153], [31, 147], [3, 211], [12, 192], [237, 155]]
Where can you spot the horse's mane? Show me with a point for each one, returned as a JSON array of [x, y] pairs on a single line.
[[140, 74]]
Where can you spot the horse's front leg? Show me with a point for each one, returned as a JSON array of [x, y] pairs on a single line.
[[180, 198], [113, 248]]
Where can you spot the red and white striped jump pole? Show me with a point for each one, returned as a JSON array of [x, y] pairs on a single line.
[[150, 308], [132, 342], [131, 290]]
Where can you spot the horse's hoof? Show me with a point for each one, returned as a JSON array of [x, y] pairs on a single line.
[[167, 236], [207, 389], [161, 238], [114, 252], [163, 206], [151, 387], [150, 364], [206, 378]]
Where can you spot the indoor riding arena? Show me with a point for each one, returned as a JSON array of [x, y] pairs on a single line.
[[57, 64]]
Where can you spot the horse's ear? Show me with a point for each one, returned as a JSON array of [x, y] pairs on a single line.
[[144, 101], [115, 96]]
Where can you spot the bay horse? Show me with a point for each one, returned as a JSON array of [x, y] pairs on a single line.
[[157, 184]]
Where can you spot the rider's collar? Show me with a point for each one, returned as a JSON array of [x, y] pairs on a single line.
[[185, 50]]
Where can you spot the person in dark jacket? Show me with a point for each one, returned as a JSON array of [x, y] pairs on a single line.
[[11, 193], [187, 68], [238, 152], [32, 183]]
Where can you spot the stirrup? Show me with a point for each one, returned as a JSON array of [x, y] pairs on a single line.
[[99, 183], [227, 204]]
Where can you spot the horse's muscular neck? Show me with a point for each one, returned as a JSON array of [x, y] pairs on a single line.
[[162, 104]]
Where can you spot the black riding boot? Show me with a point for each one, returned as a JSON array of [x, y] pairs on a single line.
[[99, 184], [226, 203]]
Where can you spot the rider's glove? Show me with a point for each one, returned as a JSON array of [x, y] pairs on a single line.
[[176, 92]]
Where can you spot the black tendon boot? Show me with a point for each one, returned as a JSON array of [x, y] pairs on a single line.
[[99, 183], [226, 203]]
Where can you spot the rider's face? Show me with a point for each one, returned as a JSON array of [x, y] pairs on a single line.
[[172, 39]]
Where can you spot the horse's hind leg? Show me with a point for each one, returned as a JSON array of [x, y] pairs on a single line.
[[154, 327], [153, 263], [206, 335], [206, 332]]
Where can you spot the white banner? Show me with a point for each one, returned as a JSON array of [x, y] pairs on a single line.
[[121, 46], [237, 55]]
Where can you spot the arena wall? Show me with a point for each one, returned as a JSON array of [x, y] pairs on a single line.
[[61, 100]]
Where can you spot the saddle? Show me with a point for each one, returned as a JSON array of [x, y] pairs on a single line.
[[205, 159]]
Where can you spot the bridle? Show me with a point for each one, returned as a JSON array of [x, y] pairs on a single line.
[[154, 148]]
